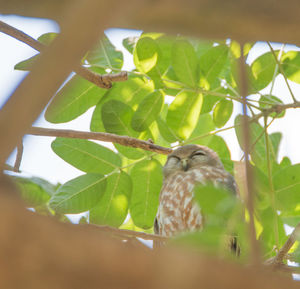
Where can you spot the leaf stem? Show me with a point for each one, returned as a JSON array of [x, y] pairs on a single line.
[[271, 181], [282, 72]]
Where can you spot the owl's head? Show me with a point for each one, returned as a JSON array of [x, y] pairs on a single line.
[[191, 156]]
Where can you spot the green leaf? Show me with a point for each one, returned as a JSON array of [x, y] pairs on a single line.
[[75, 98], [146, 54], [47, 38], [200, 134], [79, 195], [291, 218], [258, 144], [129, 43], [262, 71], [116, 118], [105, 55], [86, 156], [165, 131], [287, 188], [218, 144], [214, 201], [272, 225], [34, 191], [147, 181], [147, 111], [113, 206], [222, 112], [26, 65], [235, 49], [184, 62], [211, 64], [131, 92], [267, 101], [184, 112], [291, 65]]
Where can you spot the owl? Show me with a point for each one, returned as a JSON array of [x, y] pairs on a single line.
[[186, 167]]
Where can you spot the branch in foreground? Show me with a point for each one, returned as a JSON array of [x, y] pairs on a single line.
[[104, 81], [101, 136]]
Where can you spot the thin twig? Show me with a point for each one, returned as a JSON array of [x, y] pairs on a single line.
[[18, 158], [101, 136], [103, 81], [130, 234], [267, 142], [255, 251], [282, 253], [282, 72]]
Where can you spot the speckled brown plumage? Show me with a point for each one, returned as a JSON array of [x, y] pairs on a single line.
[[186, 167]]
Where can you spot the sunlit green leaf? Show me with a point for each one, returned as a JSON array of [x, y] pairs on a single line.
[[131, 92], [184, 62], [105, 55], [291, 65], [26, 65], [113, 206], [75, 98], [184, 112], [147, 111], [215, 201], [35, 191], [262, 71], [165, 131], [257, 145], [211, 64], [222, 112], [146, 54], [273, 230], [79, 194], [116, 118], [47, 38], [147, 181], [267, 101], [235, 48], [86, 155], [287, 188], [200, 134]]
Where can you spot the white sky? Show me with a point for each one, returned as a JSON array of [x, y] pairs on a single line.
[[38, 158]]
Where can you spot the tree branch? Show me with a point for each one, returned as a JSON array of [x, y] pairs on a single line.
[[277, 261], [281, 71], [104, 81], [18, 158], [101, 136], [129, 234], [255, 250]]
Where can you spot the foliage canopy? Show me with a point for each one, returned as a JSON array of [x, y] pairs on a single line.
[[200, 81]]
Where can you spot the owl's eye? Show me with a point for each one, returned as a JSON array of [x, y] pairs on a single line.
[[174, 159], [199, 153]]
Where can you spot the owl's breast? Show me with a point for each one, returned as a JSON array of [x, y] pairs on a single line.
[[177, 211]]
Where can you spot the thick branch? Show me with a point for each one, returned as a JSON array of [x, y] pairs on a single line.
[[101, 136], [103, 81], [255, 251]]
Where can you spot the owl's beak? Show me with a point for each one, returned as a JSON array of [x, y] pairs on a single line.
[[184, 164]]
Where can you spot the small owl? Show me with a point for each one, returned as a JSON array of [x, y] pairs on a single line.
[[186, 167]]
